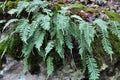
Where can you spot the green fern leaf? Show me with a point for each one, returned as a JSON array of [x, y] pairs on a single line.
[[35, 5], [107, 46], [21, 5], [45, 23], [27, 48], [39, 38], [114, 28], [50, 67], [60, 42], [59, 49], [61, 22], [77, 17], [102, 24], [24, 29], [12, 11], [68, 41], [9, 22], [49, 47], [25, 64], [105, 42], [42, 21], [92, 68], [2, 21], [88, 31], [85, 38], [37, 19]]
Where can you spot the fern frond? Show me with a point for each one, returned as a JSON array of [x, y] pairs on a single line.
[[60, 50], [61, 21], [105, 42], [68, 42], [107, 46], [102, 24], [79, 19], [2, 21], [92, 68], [114, 28], [21, 5], [24, 29], [37, 19], [49, 47], [25, 64], [9, 22], [85, 37], [50, 66], [27, 48], [12, 11], [45, 23], [39, 38], [42, 21], [60, 42], [35, 5], [88, 31]]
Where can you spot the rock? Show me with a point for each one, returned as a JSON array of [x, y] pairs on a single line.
[[103, 16]]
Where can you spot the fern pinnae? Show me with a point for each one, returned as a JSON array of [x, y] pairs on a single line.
[[49, 47], [105, 42], [39, 38], [27, 48], [25, 64], [59, 49], [68, 42], [61, 22], [114, 28], [21, 5], [2, 21], [92, 68], [8, 23], [24, 29], [50, 66], [88, 31], [60, 42], [45, 23]]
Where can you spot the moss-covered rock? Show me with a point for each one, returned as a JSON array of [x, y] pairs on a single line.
[[113, 15]]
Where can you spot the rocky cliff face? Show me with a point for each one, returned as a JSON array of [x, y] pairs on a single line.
[[13, 70]]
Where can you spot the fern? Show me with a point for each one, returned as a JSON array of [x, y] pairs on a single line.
[[114, 28], [88, 31], [27, 48], [36, 5], [39, 38], [105, 42], [50, 67], [68, 41], [25, 63], [20, 7], [2, 21], [49, 31], [49, 47], [86, 35], [61, 21], [24, 29], [9, 22], [92, 68], [60, 42], [45, 23]]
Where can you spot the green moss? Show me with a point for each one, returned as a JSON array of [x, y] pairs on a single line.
[[77, 6], [115, 45], [11, 4], [113, 16]]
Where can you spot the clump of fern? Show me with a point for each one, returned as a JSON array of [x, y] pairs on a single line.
[[47, 31]]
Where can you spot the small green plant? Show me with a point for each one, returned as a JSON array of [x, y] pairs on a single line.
[[47, 31]]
